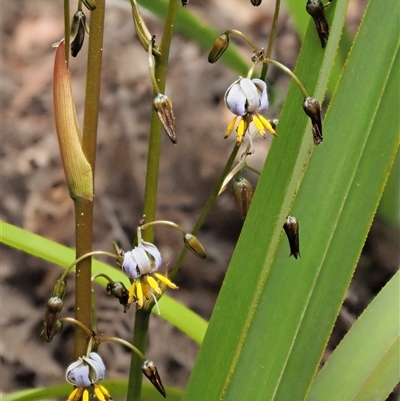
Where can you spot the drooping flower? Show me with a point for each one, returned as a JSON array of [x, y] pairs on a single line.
[[86, 374], [247, 98], [140, 264]]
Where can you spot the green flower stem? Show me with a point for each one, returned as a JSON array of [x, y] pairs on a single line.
[[271, 39], [242, 36], [206, 209], [290, 73], [150, 198], [123, 342], [77, 323], [84, 207], [67, 28]]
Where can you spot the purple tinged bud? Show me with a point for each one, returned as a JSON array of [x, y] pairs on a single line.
[[316, 9], [194, 245], [51, 324], [78, 29], [150, 371], [243, 192], [313, 109], [163, 107], [219, 47], [118, 290], [291, 228]]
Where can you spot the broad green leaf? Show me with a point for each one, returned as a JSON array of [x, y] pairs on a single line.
[[117, 388], [172, 311], [284, 309], [366, 364]]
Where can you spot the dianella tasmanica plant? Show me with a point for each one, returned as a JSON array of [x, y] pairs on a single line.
[[332, 148]]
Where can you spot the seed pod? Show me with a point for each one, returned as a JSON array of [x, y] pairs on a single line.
[[316, 9], [51, 324], [291, 228], [78, 28], [118, 290], [194, 245], [219, 47], [243, 192], [313, 109], [163, 106], [150, 371]]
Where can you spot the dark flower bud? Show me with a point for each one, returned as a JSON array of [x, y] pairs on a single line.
[[150, 371], [51, 324], [163, 107], [78, 29], [291, 228], [243, 192], [118, 290], [90, 4], [313, 110], [194, 245], [59, 289], [316, 9], [219, 47], [256, 3], [56, 330], [185, 3]]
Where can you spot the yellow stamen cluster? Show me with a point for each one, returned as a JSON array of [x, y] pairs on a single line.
[[260, 122], [141, 288], [83, 394]]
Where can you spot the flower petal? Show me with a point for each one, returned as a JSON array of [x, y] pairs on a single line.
[[235, 99], [251, 93], [78, 375], [153, 251], [262, 93], [98, 370]]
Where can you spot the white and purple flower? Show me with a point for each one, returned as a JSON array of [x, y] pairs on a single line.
[[246, 98]]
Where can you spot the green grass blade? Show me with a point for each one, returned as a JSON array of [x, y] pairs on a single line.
[[172, 311], [284, 309], [117, 388], [365, 365]]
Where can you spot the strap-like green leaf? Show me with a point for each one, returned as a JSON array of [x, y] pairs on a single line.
[[365, 365], [274, 314]]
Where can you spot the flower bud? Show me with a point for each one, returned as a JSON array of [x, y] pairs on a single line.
[[291, 228], [90, 4], [78, 28], [185, 3], [59, 288], [256, 3], [243, 192], [316, 9], [150, 371], [118, 290], [56, 330], [194, 245], [313, 110], [163, 107], [219, 47], [51, 324]]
